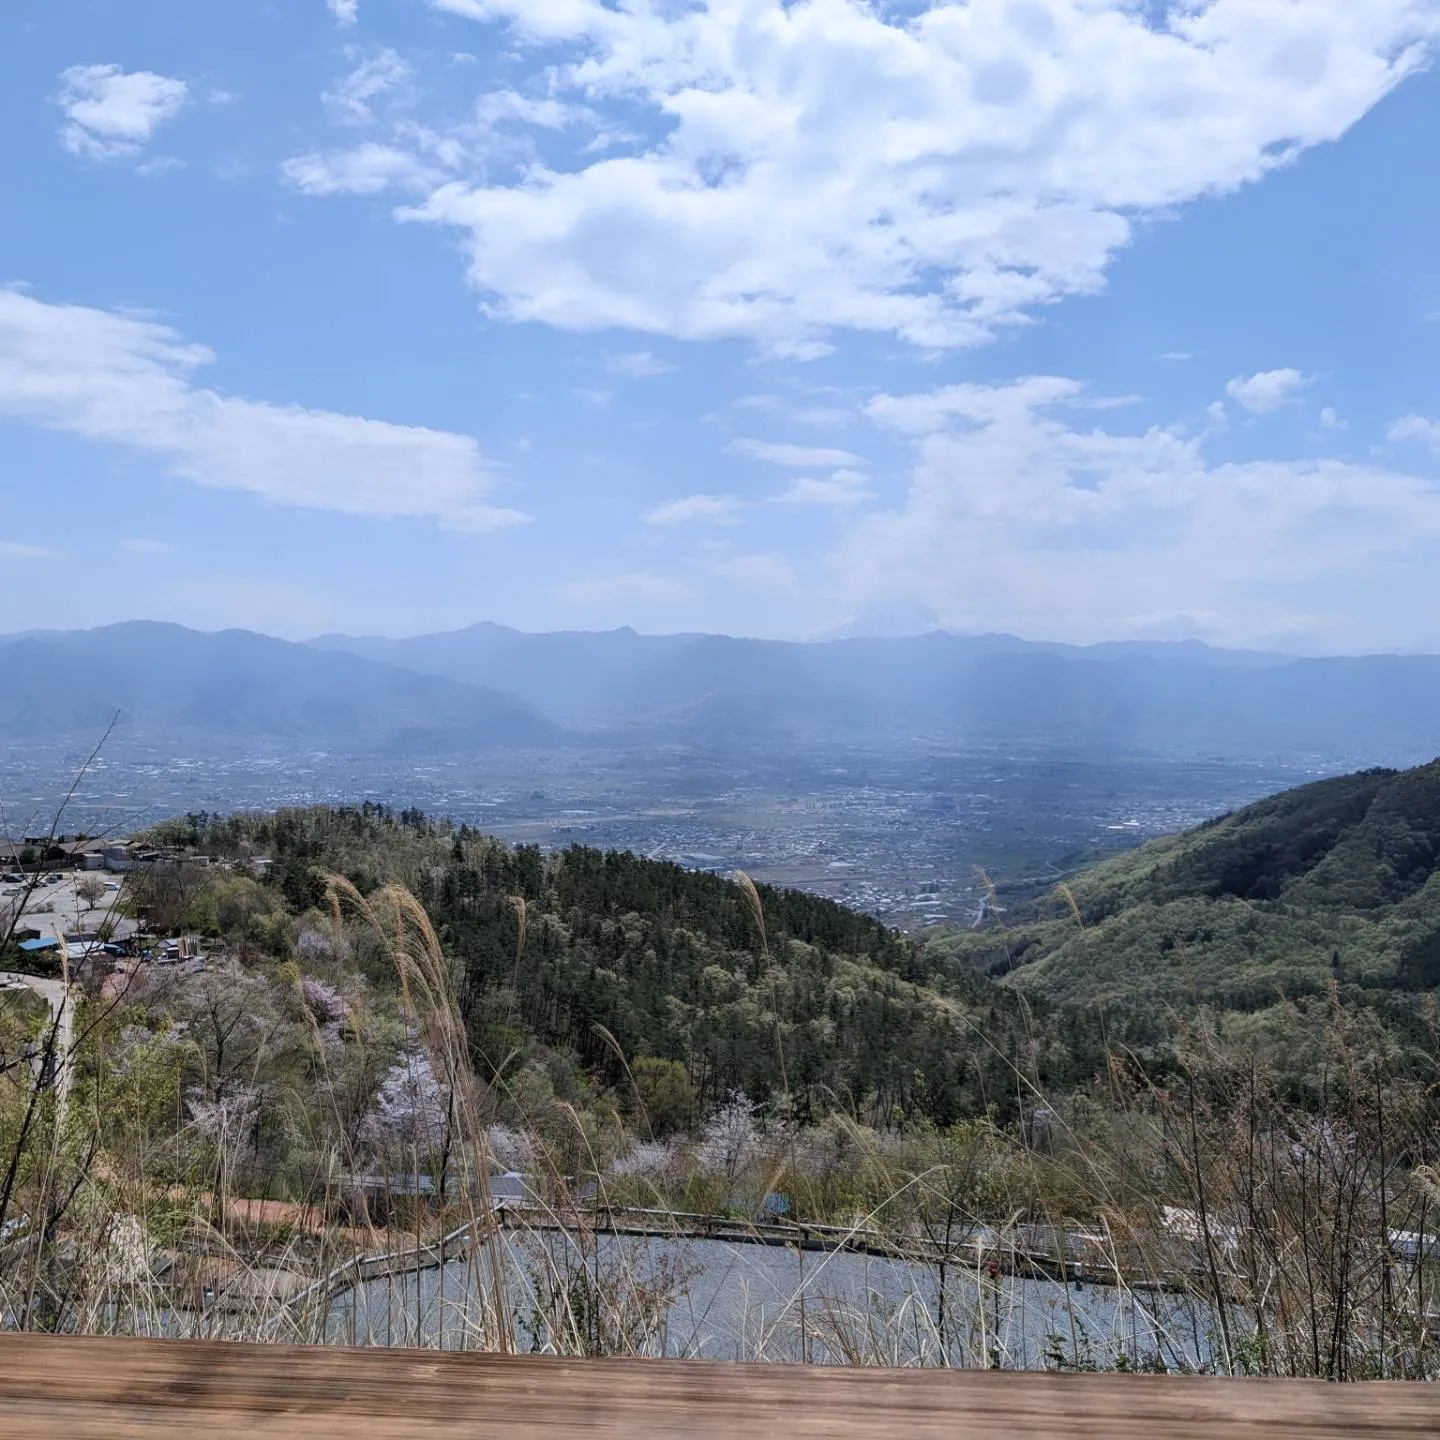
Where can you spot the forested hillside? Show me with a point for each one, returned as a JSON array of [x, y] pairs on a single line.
[[610, 962], [296, 1091], [594, 967], [1259, 920]]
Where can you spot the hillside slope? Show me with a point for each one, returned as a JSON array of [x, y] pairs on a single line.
[[1333, 887]]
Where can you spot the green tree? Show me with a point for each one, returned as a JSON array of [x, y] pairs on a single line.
[[665, 1094]]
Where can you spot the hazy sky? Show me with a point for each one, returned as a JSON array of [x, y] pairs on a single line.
[[1083, 319]]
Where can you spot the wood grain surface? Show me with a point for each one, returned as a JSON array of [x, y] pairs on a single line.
[[53, 1387]]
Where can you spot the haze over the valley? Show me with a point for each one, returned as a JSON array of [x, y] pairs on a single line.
[[490, 687], [879, 771]]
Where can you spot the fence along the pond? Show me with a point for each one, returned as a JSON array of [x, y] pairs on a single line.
[[1032, 1251], [1038, 1251]]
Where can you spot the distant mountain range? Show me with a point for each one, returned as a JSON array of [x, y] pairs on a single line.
[[1182, 698], [489, 685], [236, 686]]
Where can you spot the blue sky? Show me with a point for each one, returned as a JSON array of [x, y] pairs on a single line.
[[1084, 319]]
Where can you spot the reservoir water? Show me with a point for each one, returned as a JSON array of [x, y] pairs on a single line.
[[717, 1300]]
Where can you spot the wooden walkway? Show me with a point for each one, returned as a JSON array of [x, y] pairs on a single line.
[[61, 1388]]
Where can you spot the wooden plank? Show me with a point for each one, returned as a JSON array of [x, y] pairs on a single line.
[[86, 1388]]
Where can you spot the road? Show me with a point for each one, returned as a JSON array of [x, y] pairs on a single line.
[[56, 995], [57, 908]]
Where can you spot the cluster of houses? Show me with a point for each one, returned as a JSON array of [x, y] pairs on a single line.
[[33, 865], [42, 852], [92, 945]]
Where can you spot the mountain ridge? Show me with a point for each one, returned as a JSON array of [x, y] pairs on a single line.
[[488, 685], [240, 684], [963, 690]]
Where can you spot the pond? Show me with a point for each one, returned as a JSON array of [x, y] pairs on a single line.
[[718, 1300]]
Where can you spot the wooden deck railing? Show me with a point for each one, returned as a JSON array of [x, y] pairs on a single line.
[[60, 1388]]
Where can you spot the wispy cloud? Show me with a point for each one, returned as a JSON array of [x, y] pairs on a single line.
[[640, 364], [14, 550], [820, 416], [766, 572], [351, 101], [346, 12], [718, 509], [110, 113], [122, 380], [632, 586], [972, 404], [364, 170], [800, 457], [842, 490]]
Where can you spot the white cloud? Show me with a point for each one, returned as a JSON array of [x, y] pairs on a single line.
[[365, 170], [127, 381], [346, 12], [14, 550], [1022, 521], [140, 546], [798, 456], [498, 107], [1330, 419], [639, 364], [977, 404], [351, 101], [843, 489], [379, 94], [110, 114], [1415, 427], [936, 171], [1266, 391], [159, 165], [714, 508]]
